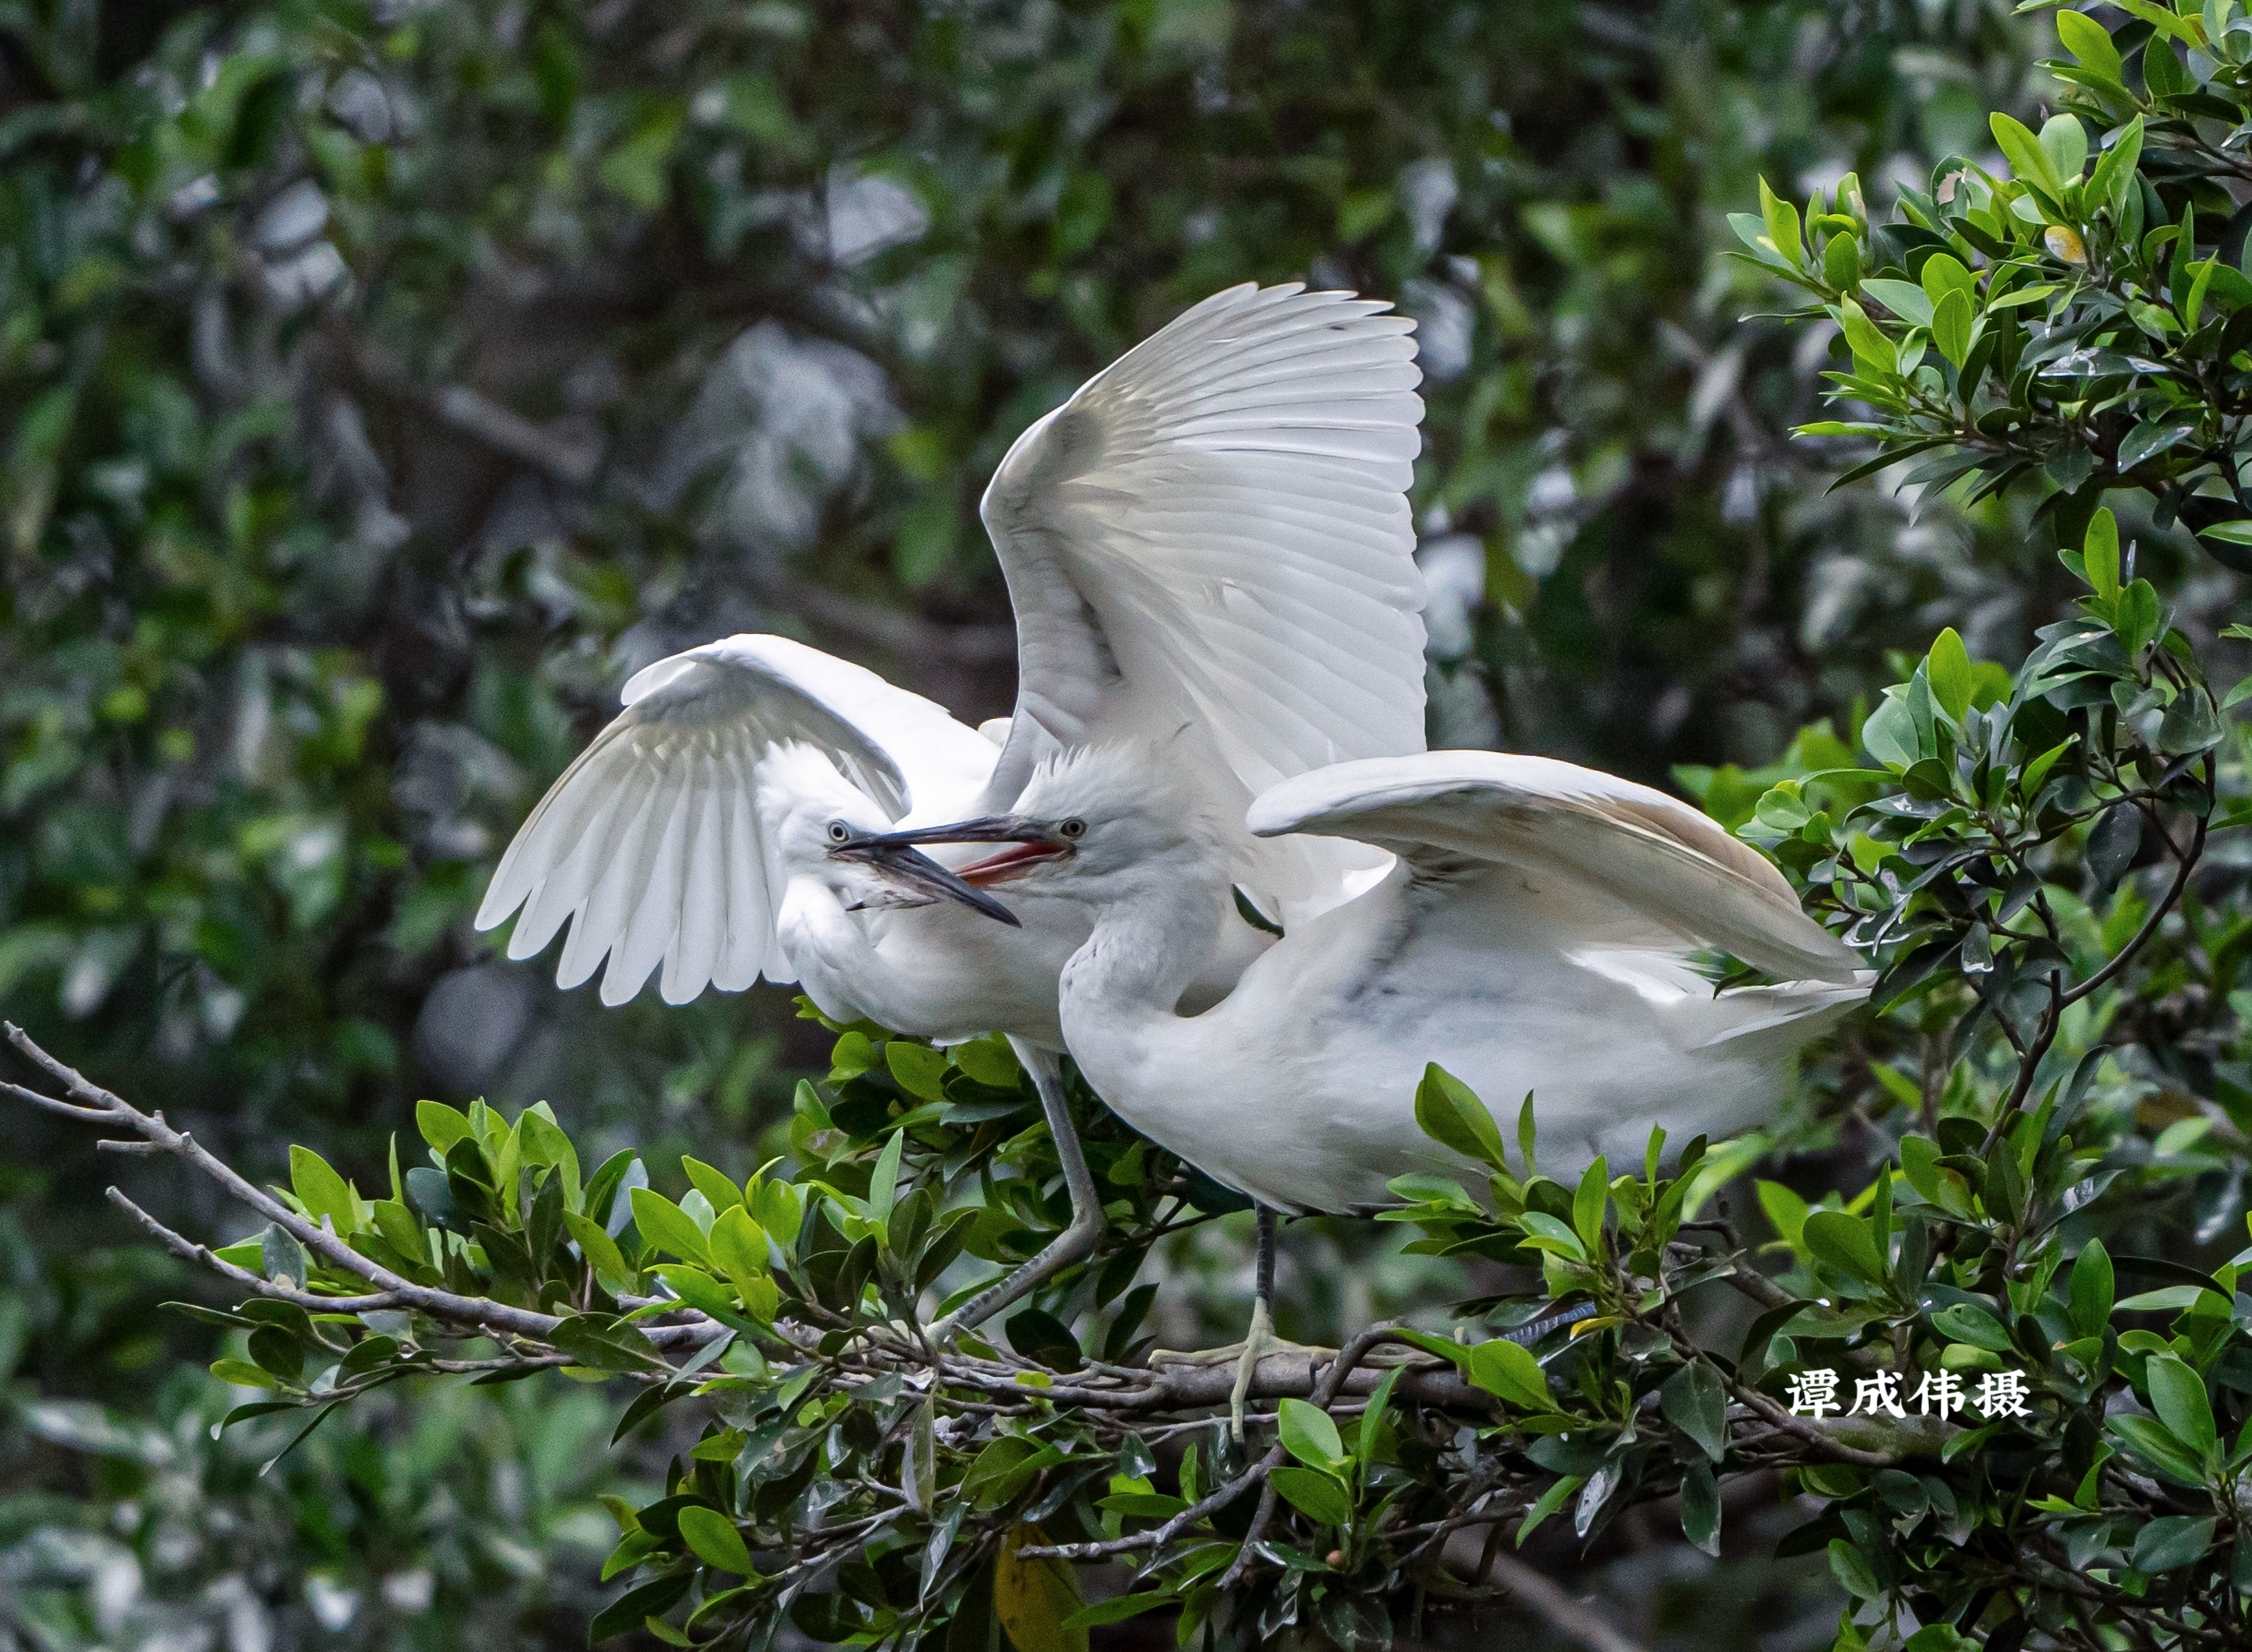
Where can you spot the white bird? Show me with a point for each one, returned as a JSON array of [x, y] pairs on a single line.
[[1533, 936], [1211, 533]]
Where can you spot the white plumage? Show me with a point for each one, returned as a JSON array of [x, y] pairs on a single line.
[[1533, 937], [1211, 533]]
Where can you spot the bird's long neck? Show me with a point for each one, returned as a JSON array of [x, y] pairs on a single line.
[[1146, 947]]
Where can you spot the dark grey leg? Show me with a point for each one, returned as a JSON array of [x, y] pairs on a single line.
[[1076, 1242]]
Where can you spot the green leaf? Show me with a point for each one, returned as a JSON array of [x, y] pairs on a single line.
[[1316, 1495], [716, 1186], [321, 1191], [2177, 1394], [855, 1053], [544, 1143], [2028, 784], [441, 1125], [601, 1253], [1944, 273], [739, 1245], [1308, 1434], [1506, 1369], [1539, 1226], [2065, 141], [243, 1375], [1695, 1402], [281, 1257], [2028, 160], [1947, 668], [1889, 734], [883, 1181], [921, 1073], [1909, 301], [1364, 1439], [1952, 324], [2151, 1443], [1701, 1508], [1036, 1601], [1852, 1572], [1449, 1112], [601, 1343], [1589, 1201], [715, 1540], [396, 1223], [1787, 1211], [1961, 1322], [1525, 1133], [1120, 1607], [1782, 220], [2114, 173], [1877, 355], [666, 1227], [1845, 1242], [2090, 42], [1001, 1470], [1549, 1502], [2170, 1542], [2100, 555], [992, 1063], [629, 1611]]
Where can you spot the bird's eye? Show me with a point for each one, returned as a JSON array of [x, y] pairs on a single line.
[[1073, 830], [839, 832]]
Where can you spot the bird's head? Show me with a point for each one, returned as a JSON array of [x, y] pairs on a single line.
[[824, 827], [1094, 824]]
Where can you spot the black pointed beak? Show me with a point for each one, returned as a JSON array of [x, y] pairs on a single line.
[[902, 862], [985, 829], [1032, 844]]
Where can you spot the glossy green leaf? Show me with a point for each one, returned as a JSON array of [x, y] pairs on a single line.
[[1503, 1368], [324, 1193], [2177, 1394], [669, 1228], [1845, 1242], [1316, 1495], [1308, 1434], [715, 1540]]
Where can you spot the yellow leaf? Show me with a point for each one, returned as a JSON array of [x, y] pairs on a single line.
[[1033, 1598]]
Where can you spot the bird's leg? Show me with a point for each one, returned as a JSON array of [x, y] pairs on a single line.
[[1259, 1341], [1076, 1242]]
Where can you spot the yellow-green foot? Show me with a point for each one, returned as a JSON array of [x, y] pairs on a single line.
[[1259, 1343]]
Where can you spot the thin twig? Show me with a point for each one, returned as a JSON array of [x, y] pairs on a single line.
[[99, 1106]]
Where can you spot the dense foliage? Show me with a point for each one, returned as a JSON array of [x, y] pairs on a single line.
[[858, 1481], [383, 384]]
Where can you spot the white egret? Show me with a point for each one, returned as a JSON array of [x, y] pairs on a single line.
[[1211, 533], [1533, 936]]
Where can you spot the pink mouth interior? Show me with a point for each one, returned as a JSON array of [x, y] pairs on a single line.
[[1012, 862]]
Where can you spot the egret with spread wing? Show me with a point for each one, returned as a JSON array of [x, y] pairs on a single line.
[[1533, 936], [1208, 543]]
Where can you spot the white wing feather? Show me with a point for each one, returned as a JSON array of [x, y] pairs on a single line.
[[1215, 529], [1651, 853], [650, 845]]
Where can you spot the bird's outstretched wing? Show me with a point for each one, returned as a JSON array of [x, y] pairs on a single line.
[[651, 844], [1215, 529], [1655, 857]]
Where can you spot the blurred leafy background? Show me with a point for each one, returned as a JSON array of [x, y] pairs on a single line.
[[382, 384]]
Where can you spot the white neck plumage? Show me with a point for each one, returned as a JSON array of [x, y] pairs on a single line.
[[1147, 946]]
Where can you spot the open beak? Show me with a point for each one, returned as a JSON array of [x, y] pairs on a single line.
[[904, 863], [1030, 844]]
